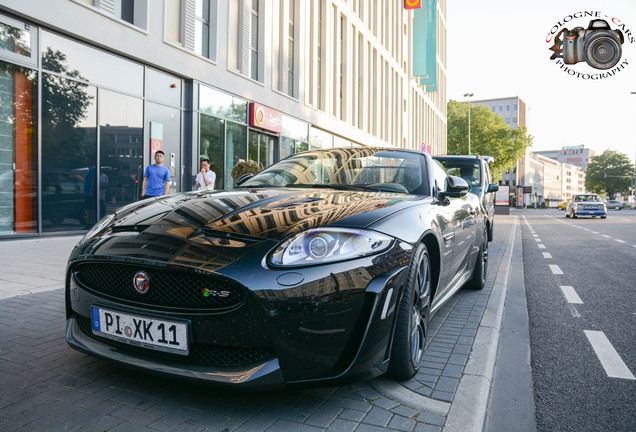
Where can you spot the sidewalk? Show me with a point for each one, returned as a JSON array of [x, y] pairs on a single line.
[[45, 385]]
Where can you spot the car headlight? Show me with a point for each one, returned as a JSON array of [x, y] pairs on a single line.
[[99, 228], [323, 245]]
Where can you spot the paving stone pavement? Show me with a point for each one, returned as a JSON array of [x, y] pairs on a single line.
[[47, 386]]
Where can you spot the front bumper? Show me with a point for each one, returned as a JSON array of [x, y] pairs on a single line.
[[321, 332], [265, 374], [590, 213]]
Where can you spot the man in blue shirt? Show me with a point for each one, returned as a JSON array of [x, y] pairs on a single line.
[[156, 178]]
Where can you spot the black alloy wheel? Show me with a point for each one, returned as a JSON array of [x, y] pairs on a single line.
[[478, 280], [412, 321]]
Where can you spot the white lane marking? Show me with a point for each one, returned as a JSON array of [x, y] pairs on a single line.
[[620, 241], [610, 360], [605, 235], [570, 294], [541, 246], [555, 269], [547, 255], [535, 235], [537, 239], [594, 232]]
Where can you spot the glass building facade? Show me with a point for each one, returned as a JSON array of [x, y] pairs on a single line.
[[89, 89]]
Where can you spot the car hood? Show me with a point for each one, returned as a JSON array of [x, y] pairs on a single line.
[[261, 213]]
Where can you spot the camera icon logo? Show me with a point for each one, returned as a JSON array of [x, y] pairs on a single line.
[[598, 45]]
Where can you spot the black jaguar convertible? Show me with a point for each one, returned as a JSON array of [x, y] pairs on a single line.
[[323, 269]]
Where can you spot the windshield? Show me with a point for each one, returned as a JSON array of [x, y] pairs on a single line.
[[589, 198], [379, 169]]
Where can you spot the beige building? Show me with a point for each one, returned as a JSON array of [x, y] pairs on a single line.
[[94, 87], [546, 180]]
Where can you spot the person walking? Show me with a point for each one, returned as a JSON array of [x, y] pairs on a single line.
[[206, 178], [156, 178]]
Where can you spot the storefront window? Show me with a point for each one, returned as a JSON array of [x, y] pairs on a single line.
[[69, 150], [18, 149], [79, 61], [295, 129], [121, 150], [236, 148], [212, 144], [222, 105], [295, 137], [320, 139]]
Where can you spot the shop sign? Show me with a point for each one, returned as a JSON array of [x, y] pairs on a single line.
[[265, 118]]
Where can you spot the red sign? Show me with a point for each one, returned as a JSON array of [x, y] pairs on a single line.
[[412, 4], [427, 148], [266, 118], [155, 144]]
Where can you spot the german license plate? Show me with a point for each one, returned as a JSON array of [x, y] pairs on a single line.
[[142, 331]]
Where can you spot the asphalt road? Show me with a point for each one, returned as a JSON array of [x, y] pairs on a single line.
[[579, 276]]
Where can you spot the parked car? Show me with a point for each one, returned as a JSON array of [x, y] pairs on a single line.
[[586, 205], [562, 205], [324, 268], [614, 204], [476, 171]]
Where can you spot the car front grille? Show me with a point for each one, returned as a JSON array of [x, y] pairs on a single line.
[[178, 288], [200, 354]]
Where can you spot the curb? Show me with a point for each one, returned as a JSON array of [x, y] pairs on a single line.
[[468, 411], [393, 390]]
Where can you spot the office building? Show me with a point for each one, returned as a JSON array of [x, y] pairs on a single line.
[[91, 88]]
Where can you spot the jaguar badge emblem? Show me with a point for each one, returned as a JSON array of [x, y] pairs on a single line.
[[141, 281]]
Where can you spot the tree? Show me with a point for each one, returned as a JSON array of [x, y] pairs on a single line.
[[610, 172], [65, 104], [489, 136]]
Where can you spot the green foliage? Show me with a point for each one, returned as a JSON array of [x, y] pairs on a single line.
[[489, 134], [65, 104], [245, 167], [609, 173]]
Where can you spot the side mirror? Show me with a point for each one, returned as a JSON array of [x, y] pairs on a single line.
[[493, 187], [457, 187], [242, 179]]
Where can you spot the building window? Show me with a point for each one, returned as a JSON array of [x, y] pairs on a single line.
[[128, 11], [18, 149], [254, 40], [134, 12], [202, 28], [507, 107], [287, 49], [246, 38], [18, 41], [191, 24], [315, 88]]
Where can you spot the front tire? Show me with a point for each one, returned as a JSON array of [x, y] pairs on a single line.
[[412, 322]]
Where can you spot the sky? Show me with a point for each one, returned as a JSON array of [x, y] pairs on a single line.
[[498, 48]]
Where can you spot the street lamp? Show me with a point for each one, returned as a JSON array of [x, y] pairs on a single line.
[[469, 95]]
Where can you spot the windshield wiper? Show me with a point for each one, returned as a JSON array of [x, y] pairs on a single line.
[[332, 186]]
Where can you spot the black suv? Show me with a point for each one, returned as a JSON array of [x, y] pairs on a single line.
[[476, 171]]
